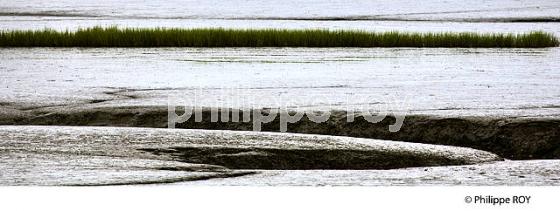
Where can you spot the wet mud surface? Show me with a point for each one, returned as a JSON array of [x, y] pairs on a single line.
[[512, 138], [514, 173], [504, 102], [57, 155]]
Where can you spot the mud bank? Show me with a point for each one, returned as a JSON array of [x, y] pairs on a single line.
[[92, 156], [235, 149], [513, 138]]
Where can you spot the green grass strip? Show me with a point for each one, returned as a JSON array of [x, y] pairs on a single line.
[[218, 37]]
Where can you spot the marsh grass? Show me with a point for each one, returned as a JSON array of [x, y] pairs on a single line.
[[217, 37]]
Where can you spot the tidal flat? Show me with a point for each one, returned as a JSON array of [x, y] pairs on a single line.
[[96, 116]]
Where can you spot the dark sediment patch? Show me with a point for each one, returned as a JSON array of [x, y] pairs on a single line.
[[303, 159], [121, 93], [513, 138], [97, 101]]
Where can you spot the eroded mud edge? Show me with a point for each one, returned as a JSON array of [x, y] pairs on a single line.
[[513, 138]]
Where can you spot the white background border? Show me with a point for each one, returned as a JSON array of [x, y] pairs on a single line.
[[170, 197]]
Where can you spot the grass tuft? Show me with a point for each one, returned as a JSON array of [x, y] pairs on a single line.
[[218, 37]]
